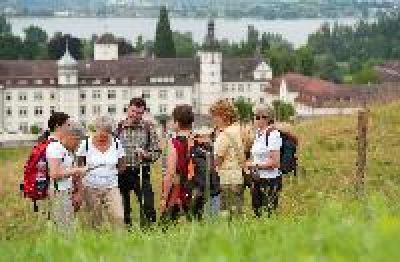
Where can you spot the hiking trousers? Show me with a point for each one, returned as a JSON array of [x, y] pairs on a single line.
[[103, 207], [130, 180], [232, 198], [265, 195], [61, 210]]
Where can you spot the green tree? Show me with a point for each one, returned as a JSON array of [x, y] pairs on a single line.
[[35, 34], [5, 27], [283, 111], [57, 44], [11, 47], [124, 47], [139, 46], [35, 43], [367, 75], [244, 109], [185, 46], [164, 43], [281, 60], [304, 61], [327, 68]]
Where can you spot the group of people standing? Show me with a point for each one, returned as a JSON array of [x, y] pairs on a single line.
[[97, 173]]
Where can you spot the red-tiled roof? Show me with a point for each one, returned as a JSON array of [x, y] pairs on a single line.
[[389, 71]]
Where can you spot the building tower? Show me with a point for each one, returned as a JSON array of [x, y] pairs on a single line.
[[210, 86], [68, 90]]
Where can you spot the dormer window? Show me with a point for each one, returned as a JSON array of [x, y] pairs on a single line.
[[125, 81], [22, 82], [52, 82], [38, 82]]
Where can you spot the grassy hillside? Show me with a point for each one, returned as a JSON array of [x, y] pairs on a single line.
[[319, 217]]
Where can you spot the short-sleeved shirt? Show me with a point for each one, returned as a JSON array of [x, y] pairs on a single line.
[[56, 150], [105, 172], [228, 146], [260, 151]]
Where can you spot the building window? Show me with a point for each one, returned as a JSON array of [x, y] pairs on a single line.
[[112, 109], [262, 100], [241, 88], [38, 110], [52, 109], [38, 96], [263, 88], [112, 94], [163, 109], [96, 82], [23, 111], [22, 82], [52, 96], [8, 96], [38, 81], [96, 110], [126, 108], [163, 94], [82, 110], [225, 88], [9, 111], [146, 94], [82, 95], [125, 94], [52, 82], [22, 96], [180, 94], [212, 73], [125, 81], [23, 127], [249, 100], [233, 88], [96, 94], [67, 78]]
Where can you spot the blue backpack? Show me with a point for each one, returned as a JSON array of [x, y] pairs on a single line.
[[288, 152]]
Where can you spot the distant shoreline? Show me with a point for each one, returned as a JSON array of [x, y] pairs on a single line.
[[185, 17]]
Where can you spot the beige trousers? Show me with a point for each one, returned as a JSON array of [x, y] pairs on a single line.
[[103, 207], [61, 210], [232, 199]]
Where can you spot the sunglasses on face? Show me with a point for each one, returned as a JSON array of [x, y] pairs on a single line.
[[259, 117]]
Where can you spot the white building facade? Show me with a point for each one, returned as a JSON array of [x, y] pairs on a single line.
[[31, 90]]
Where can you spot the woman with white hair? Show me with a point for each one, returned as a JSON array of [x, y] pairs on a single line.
[[104, 157]]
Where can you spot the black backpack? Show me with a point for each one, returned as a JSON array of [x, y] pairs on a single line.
[[288, 152]]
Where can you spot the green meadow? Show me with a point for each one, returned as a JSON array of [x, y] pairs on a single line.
[[319, 219]]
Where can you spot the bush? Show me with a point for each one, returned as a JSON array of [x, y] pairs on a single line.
[[283, 111], [244, 109], [35, 130]]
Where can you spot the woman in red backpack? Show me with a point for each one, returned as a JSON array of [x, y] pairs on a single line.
[[61, 171], [176, 195]]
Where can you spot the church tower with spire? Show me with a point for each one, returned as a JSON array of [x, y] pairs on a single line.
[[67, 69], [68, 89], [210, 86]]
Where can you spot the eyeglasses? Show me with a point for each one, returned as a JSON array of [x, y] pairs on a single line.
[[259, 117]]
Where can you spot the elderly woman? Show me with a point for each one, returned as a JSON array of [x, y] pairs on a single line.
[[265, 163], [229, 154], [104, 157]]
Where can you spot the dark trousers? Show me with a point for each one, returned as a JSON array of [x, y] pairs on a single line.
[[265, 195], [130, 180]]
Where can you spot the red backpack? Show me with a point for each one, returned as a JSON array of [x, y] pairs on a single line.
[[180, 194], [36, 174]]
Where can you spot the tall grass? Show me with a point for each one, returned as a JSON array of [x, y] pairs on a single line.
[[318, 219]]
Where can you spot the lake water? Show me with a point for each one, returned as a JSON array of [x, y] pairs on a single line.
[[296, 31]]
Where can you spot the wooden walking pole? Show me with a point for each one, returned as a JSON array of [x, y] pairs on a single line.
[[362, 151]]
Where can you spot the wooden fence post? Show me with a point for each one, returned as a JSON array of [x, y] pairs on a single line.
[[361, 151]]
